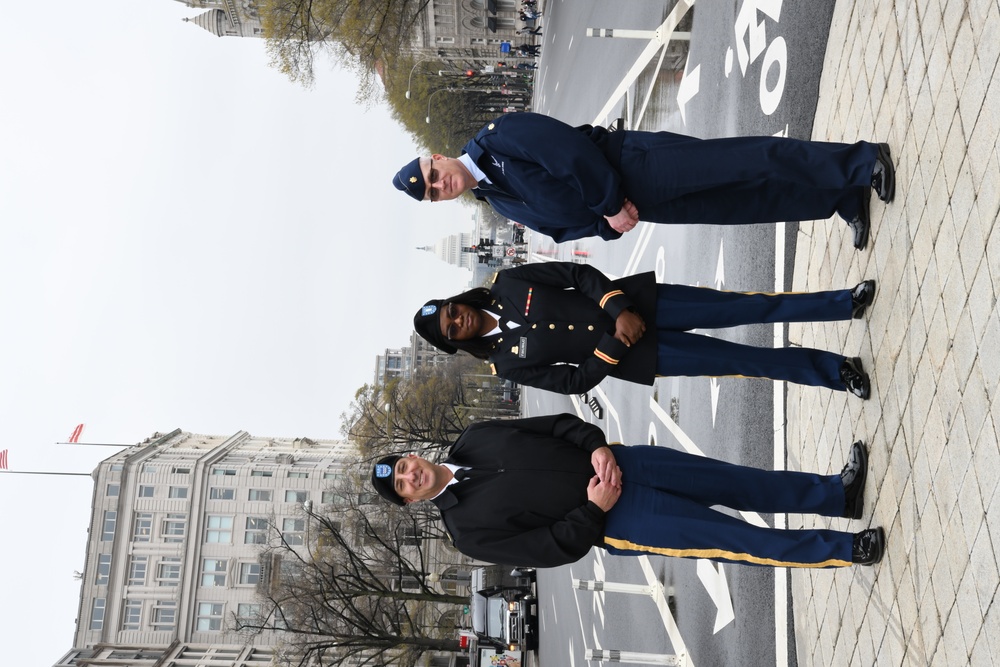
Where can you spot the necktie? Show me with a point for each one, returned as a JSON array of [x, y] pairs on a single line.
[[470, 473]]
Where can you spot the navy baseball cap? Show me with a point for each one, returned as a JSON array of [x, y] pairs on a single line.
[[383, 476], [410, 180]]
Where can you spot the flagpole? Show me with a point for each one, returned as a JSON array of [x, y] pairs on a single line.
[[32, 472]]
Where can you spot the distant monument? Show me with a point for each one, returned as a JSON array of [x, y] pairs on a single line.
[[227, 18]]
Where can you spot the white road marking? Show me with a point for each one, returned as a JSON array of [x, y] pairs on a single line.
[[673, 632], [720, 267], [714, 581], [687, 89]]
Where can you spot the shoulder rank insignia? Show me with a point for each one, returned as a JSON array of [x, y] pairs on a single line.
[[493, 369], [490, 126], [413, 179]]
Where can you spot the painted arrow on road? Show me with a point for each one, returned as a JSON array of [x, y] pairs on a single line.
[[715, 583]]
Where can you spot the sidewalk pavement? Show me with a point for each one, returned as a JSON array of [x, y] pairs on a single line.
[[921, 75]]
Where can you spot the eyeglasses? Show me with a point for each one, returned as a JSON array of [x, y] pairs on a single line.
[[451, 313], [432, 178]]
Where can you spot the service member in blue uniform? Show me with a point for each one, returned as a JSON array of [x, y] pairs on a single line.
[[564, 327], [570, 183], [541, 492]]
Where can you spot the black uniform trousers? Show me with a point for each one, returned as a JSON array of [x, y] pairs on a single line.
[[665, 509], [681, 308]]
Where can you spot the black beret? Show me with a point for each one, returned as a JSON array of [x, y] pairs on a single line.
[[428, 325], [383, 475]]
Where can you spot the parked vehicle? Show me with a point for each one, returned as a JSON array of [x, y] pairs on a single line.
[[504, 608]]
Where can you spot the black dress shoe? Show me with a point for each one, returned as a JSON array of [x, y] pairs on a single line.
[[861, 297], [868, 546], [853, 476], [884, 174], [855, 380], [862, 222]]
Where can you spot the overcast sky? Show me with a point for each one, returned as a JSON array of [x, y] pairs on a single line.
[[187, 240]]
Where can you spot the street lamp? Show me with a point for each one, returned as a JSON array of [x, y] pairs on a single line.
[[442, 90], [409, 79]]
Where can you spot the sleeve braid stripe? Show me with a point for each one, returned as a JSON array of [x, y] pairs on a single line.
[[610, 295], [605, 358]]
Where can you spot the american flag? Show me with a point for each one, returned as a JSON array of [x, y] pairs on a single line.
[[3, 460], [77, 432]]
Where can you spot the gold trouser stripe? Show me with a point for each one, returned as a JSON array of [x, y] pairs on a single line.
[[748, 377], [718, 553], [605, 358], [729, 291], [604, 299]]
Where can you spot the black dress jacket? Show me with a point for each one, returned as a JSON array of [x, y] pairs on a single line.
[[526, 499], [565, 342]]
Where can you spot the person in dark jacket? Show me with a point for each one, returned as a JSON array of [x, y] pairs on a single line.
[[570, 183], [564, 327], [541, 492]]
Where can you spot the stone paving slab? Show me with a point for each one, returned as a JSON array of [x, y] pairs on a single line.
[[921, 75]]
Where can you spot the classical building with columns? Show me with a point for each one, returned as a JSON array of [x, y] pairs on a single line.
[[459, 29], [175, 555]]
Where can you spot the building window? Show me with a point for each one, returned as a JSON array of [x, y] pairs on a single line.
[[178, 492], [135, 655], [148, 469], [227, 472], [174, 527], [103, 569], [97, 614], [164, 615], [256, 530], [132, 615], [168, 572], [116, 467], [332, 497], [263, 495], [292, 530], [180, 471], [296, 496], [143, 527], [261, 473], [108, 530], [216, 493], [146, 491], [113, 490], [298, 474], [213, 572], [249, 573], [219, 530], [332, 475], [137, 571], [247, 613], [210, 616], [259, 655]]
